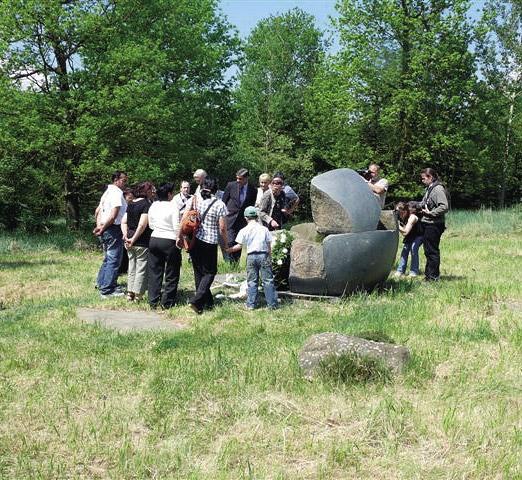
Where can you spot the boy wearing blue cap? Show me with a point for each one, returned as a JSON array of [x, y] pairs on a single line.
[[258, 240]]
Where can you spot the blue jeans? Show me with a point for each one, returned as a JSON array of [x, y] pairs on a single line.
[[112, 242], [412, 247], [260, 263]]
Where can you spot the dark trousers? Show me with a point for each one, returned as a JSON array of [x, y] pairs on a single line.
[[232, 231], [432, 234], [204, 262], [164, 259]]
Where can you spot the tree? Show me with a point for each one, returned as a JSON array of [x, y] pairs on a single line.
[[499, 114], [105, 84], [281, 57], [398, 92]]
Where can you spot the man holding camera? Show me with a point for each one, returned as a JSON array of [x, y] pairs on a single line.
[[378, 185]]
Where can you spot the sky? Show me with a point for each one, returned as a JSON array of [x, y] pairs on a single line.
[[244, 14]]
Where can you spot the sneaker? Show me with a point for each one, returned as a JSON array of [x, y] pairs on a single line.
[[249, 307], [398, 274], [114, 294], [413, 274]]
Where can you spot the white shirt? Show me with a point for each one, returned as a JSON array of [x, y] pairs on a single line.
[[164, 219], [381, 197], [260, 193], [255, 236], [111, 198]]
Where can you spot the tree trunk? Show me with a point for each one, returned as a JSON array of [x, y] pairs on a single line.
[[505, 161], [68, 152], [72, 202]]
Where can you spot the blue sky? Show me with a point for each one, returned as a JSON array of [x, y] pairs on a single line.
[[244, 14]]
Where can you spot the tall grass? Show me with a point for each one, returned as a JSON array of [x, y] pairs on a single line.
[[224, 398]]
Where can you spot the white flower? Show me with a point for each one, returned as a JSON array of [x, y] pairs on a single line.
[[282, 238], [280, 262], [285, 250], [274, 241]]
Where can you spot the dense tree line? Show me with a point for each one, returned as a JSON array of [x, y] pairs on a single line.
[[89, 86]]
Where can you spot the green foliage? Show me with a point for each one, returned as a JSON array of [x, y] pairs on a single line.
[[397, 93], [99, 86], [281, 57]]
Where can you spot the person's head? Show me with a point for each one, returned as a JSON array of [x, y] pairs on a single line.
[[428, 176], [165, 192], [128, 193], [402, 210], [277, 185], [184, 188], [199, 176], [242, 176], [374, 170], [413, 208], [280, 175], [251, 213], [264, 181], [119, 179], [144, 190], [209, 187]]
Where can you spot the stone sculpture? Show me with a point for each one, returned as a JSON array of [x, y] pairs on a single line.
[[350, 246]]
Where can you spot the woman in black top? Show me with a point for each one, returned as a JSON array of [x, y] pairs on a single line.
[[410, 227], [136, 235]]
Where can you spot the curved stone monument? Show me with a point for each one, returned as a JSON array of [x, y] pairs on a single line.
[[350, 246]]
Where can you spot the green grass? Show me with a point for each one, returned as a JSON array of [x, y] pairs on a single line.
[[224, 398]]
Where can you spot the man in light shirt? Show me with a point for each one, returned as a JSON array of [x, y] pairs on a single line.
[[199, 177], [378, 185], [183, 197], [108, 216]]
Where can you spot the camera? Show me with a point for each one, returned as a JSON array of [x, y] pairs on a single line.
[[365, 173]]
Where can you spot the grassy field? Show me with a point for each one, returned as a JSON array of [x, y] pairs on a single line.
[[224, 398]]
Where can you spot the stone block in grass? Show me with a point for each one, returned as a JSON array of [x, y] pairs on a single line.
[[333, 354]]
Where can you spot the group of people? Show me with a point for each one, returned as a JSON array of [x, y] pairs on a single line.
[[145, 222], [423, 223]]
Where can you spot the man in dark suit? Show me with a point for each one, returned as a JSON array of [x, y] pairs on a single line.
[[237, 196]]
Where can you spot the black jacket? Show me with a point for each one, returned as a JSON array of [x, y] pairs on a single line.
[[231, 200]]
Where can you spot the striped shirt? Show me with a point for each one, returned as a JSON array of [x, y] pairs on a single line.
[[208, 231]]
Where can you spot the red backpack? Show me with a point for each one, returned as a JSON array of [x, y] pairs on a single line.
[[190, 223]]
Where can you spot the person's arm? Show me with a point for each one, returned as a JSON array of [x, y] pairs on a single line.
[[264, 208], [378, 187], [97, 215], [438, 197], [292, 205], [142, 225], [223, 230], [409, 225], [236, 248], [124, 227], [112, 217]]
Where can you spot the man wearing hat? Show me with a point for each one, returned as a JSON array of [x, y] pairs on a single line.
[[257, 240]]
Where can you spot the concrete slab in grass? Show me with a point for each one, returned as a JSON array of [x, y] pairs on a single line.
[[128, 321]]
